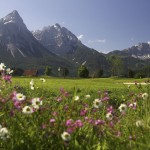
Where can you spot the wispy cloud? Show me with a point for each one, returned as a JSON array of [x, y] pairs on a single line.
[[80, 37], [97, 41]]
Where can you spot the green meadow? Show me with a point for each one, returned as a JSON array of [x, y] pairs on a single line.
[[74, 114], [84, 84]]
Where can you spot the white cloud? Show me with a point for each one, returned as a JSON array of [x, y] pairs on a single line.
[[80, 37], [97, 41], [148, 42]]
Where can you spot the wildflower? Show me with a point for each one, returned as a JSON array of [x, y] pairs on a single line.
[[2, 67], [7, 78], [99, 122], [59, 99], [52, 120], [76, 98], [123, 108], [133, 105], [27, 110], [66, 136], [32, 87], [83, 112], [106, 98], [139, 123], [20, 97], [17, 104], [36, 102], [9, 71], [79, 123], [97, 103], [145, 96], [70, 129], [110, 109], [109, 116], [69, 122], [87, 96], [32, 82], [4, 133], [42, 79]]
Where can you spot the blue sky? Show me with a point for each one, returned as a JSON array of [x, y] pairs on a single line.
[[104, 25]]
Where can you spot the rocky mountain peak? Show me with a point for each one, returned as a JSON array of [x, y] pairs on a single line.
[[57, 39], [13, 17], [16, 39]]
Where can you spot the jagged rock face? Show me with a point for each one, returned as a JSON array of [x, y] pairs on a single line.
[[57, 39], [141, 51], [16, 39]]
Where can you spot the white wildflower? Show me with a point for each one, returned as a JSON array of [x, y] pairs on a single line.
[[97, 103], [32, 87], [42, 79], [36, 102], [144, 96], [123, 108], [87, 96], [139, 123], [20, 97], [27, 110], [66, 136], [4, 133], [109, 116], [76, 98], [32, 82], [2, 66], [9, 71]]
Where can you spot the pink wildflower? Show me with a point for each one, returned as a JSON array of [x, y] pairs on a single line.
[[79, 123], [110, 109], [52, 120], [7, 78], [69, 122]]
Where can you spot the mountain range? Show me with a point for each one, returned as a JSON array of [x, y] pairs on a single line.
[[56, 46]]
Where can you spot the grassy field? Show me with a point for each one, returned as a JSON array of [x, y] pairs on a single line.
[[83, 84], [74, 114]]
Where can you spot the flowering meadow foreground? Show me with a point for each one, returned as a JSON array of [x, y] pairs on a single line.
[[32, 118]]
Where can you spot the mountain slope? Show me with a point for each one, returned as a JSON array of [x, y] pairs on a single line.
[[19, 48], [57, 39], [141, 51], [17, 39], [62, 42]]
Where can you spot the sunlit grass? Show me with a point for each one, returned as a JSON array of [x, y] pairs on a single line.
[[74, 114]]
